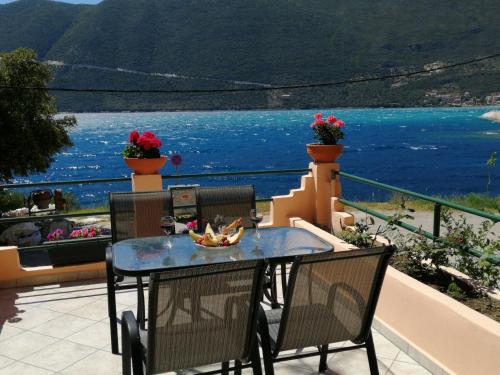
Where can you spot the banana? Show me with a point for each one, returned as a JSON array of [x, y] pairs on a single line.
[[209, 230], [235, 238], [235, 224], [209, 241], [195, 236]]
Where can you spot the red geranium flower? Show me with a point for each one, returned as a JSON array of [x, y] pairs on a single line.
[[133, 136]]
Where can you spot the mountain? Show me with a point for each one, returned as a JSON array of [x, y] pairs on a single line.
[[212, 43]]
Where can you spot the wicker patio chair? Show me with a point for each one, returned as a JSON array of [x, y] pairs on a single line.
[[132, 215], [331, 298], [227, 202], [197, 316]]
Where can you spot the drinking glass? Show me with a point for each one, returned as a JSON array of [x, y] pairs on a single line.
[[167, 223], [256, 216]]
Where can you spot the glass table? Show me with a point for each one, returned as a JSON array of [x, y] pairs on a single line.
[[139, 257]]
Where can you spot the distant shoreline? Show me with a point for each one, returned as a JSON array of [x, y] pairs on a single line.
[[491, 107]]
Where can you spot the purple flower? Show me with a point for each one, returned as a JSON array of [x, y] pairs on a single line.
[[176, 160]]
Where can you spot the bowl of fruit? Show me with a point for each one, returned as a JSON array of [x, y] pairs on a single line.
[[228, 236]]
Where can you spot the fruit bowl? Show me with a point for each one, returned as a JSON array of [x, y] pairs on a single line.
[[219, 240]]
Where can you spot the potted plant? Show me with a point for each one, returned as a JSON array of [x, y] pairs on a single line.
[[80, 246], [142, 153], [327, 133]]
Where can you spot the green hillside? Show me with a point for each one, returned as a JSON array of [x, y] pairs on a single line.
[[37, 24], [263, 41]]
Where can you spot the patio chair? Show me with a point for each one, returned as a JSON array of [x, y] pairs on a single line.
[[197, 316], [331, 298], [227, 202], [230, 203], [133, 214]]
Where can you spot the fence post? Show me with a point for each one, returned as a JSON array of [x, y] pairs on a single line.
[[437, 220]]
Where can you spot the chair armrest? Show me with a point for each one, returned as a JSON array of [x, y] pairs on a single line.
[[131, 344]]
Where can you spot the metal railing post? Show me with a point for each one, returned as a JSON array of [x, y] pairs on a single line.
[[437, 220]]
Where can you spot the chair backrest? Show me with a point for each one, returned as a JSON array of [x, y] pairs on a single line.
[[332, 297], [137, 214], [202, 315], [229, 202]]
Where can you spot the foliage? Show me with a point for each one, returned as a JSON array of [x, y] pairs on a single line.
[[362, 236], [27, 117], [145, 146], [490, 163], [455, 291], [270, 42], [327, 132], [461, 235], [10, 200]]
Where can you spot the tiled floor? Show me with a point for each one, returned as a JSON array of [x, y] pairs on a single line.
[[63, 329]]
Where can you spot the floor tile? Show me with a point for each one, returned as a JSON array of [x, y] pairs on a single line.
[[100, 362], [24, 344], [384, 348], [403, 357], [24, 369], [63, 326], [343, 363], [68, 303], [31, 317], [58, 356], [96, 336], [96, 310], [4, 361], [7, 331], [404, 368]]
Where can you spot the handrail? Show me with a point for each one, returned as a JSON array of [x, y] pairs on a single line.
[[442, 202], [492, 259], [165, 177]]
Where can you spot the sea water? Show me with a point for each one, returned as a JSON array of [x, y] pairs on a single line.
[[435, 151]]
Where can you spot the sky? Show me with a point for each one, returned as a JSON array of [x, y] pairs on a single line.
[[62, 1]]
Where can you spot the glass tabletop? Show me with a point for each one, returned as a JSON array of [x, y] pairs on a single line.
[[141, 256]]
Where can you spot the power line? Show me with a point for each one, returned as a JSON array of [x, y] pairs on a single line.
[[252, 89]]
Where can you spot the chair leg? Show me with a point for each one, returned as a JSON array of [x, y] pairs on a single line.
[[225, 368], [323, 358], [266, 353], [237, 367], [255, 358], [141, 309], [283, 279], [372, 357], [113, 324]]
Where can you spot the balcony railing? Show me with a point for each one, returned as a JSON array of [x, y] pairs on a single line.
[[438, 204]]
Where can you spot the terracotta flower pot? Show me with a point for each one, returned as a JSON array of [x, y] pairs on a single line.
[[146, 166], [324, 153]]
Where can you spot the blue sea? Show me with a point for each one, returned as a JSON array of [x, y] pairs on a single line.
[[435, 151]]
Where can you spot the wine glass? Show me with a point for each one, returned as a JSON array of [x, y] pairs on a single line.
[[167, 223], [256, 216]]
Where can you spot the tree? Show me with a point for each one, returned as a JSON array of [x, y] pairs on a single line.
[[30, 134], [491, 162]]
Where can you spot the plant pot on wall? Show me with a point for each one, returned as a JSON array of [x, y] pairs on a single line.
[[146, 166], [324, 153]]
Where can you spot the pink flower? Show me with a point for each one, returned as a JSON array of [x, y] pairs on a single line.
[[133, 136], [192, 224], [319, 122], [318, 116], [331, 119], [339, 124]]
